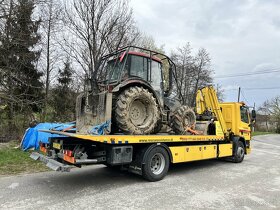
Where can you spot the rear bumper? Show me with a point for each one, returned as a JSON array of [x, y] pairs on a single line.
[[51, 163]]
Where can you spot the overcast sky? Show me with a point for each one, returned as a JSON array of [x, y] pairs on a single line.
[[242, 36]]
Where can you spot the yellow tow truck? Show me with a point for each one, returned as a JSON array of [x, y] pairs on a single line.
[[226, 134]]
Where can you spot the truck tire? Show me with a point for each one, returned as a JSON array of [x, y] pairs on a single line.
[[182, 118], [136, 111], [156, 164], [239, 153]]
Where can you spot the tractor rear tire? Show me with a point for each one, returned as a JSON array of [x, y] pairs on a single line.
[[182, 118], [136, 111]]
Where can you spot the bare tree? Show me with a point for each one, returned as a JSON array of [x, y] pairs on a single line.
[[184, 62], [220, 92], [96, 28], [148, 42], [192, 73], [202, 72], [4, 9], [265, 111], [272, 109], [50, 14]]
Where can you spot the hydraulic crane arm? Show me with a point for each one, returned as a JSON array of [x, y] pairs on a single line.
[[207, 102]]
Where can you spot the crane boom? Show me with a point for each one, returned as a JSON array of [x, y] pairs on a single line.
[[207, 102]]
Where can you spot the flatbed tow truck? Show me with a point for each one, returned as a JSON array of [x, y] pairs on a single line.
[[227, 134]]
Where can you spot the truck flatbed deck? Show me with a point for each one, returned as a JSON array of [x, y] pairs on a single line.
[[133, 139]]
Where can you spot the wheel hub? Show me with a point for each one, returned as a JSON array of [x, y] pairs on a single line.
[[157, 163], [240, 152], [137, 112]]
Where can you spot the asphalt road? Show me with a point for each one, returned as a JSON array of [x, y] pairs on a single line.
[[212, 184]]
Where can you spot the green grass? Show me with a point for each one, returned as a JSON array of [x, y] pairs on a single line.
[[257, 133], [14, 161]]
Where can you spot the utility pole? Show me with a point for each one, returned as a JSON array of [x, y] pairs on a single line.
[[239, 90], [254, 124]]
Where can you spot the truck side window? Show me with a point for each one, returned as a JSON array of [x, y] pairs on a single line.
[[244, 114]]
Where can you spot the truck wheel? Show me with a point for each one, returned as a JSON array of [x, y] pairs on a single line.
[[156, 165], [182, 118], [136, 111], [239, 153]]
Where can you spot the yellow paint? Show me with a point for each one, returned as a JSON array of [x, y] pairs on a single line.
[[56, 145], [248, 150], [134, 139], [131, 139], [219, 130], [209, 151], [191, 153], [225, 150], [232, 116]]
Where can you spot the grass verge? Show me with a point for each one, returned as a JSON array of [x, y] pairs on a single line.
[[14, 161], [258, 133]]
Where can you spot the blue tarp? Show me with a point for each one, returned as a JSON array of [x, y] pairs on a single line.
[[33, 136], [101, 129]]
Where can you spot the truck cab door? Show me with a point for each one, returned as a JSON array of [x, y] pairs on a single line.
[[244, 126]]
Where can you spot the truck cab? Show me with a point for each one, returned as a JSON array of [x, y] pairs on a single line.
[[238, 121], [237, 118]]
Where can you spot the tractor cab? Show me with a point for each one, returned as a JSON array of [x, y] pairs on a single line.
[[140, 65]]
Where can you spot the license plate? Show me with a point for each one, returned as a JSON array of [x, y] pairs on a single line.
[[56, 146]]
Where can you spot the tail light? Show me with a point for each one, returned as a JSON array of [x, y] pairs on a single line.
[[68, 152]]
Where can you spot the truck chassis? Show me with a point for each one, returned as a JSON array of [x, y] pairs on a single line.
[[146, 155]]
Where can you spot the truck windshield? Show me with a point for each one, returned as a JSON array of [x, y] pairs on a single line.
[[244, 114]]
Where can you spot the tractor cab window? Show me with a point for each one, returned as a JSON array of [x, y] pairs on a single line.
[[156, 76], [114, 68], [244, 114], [139, 67]]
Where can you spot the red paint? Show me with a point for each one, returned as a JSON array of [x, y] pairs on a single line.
[[43, 149], [122, 56], [144, 55], [69, 159], [68, 153], [245, 131]]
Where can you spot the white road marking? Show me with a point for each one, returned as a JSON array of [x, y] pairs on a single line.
[[13, 185], [268, 144], [260, 201], [273, 153]]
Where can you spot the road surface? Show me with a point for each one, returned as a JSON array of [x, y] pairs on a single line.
[[212, 184]]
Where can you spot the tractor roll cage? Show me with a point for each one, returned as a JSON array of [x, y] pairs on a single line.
[[151, 53]]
